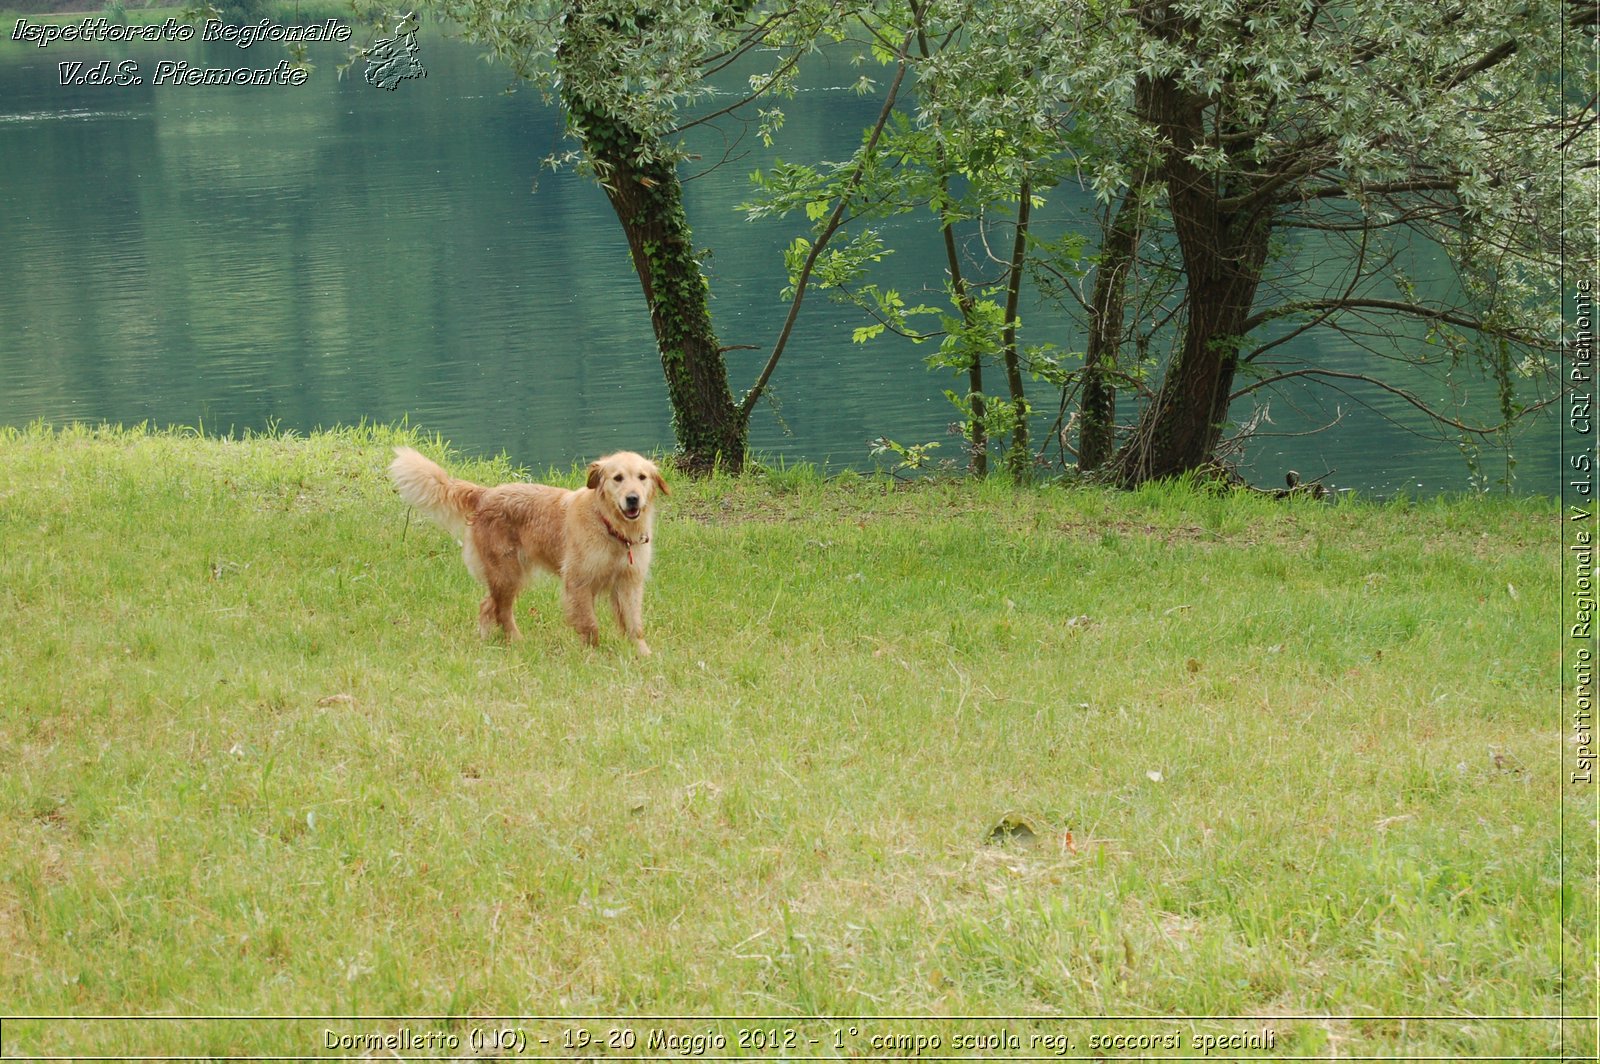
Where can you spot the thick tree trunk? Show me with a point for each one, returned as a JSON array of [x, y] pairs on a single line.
[[1224, 247], [648, 200], [1180, 430]]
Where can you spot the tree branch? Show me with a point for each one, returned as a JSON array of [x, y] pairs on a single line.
[[1439, 184], [1364, 379], [747, 407], [777, 75], [1396, 305]]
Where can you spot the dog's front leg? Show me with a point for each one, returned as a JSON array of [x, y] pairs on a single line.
[[627, 601], [577, 602]]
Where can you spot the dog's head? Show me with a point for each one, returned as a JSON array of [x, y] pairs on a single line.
[[627, 483]]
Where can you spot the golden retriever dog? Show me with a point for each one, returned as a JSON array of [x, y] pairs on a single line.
[[596, 539]]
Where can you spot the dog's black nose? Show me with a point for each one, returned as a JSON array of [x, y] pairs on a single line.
[[632, 501]]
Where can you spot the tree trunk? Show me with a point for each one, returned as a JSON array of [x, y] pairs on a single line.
[[648, 200], [977, 427], [1224, 253], [1181, 428], [1097, 403], [1019, 459]]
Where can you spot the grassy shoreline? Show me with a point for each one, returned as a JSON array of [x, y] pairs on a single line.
[[1279, 760]]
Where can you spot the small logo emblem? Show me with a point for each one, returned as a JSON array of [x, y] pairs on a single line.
[[394, 59]]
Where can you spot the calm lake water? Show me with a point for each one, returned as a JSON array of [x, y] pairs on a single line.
[[305, 256]]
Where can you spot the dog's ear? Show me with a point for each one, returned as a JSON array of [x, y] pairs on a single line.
[[661, 485], [594, 475]]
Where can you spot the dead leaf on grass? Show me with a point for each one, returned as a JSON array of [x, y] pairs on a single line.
[[1504, 762]]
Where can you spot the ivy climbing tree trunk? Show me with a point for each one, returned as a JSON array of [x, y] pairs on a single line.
[[1019, 460], [1097, 404], [647, 196]]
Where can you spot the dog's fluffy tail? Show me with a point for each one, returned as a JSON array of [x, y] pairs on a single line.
[[439, 496]]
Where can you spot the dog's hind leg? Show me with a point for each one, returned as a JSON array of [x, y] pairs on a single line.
[[499, 605], [487, 617], [498, 608], [492, 557]]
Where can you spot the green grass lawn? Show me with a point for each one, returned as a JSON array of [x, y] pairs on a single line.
[[1290, 762]]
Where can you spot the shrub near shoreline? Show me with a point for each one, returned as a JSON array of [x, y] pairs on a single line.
[[1252, 758]]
